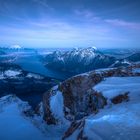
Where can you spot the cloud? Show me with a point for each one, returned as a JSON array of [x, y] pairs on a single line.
[[86, 14], [123, 23], [43, 3]]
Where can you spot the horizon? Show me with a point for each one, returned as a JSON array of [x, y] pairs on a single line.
[[79, 47], [69, 24]]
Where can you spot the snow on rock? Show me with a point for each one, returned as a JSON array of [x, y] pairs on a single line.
[[78, 60], [16, 46], [57, 105], [12, 73], [121, 122], [14, 125], [1, 75], [33, 75], [114, 86]]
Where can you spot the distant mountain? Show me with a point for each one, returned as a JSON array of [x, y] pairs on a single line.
[[78, 60], [134, 57], [121, 62], [15, 47], [2, 52], [26, 85]]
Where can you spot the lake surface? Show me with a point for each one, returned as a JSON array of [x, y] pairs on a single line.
[[29, 60]]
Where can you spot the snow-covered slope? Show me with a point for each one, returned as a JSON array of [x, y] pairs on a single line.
[[14, 125], [113, 86], [81, 60], [120, 121], [19, 122], [78, 60], [16, 46]]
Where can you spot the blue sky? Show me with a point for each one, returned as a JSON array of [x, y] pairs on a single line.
[[70, 23]]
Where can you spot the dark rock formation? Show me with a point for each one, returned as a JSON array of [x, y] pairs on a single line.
[[75, 126], [120, 98]]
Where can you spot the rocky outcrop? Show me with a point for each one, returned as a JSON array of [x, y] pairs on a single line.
[[79, 97], [120, 98], [75, 126]]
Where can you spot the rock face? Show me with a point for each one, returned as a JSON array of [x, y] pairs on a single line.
[[79, 125], [79, 99], [120, 98], [75, 98]]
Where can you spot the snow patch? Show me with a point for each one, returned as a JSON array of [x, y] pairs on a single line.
[[13, 124], [15, 46], [136, 70], [114, 86], [57, 105], [32, 75], [12, 73], [116, 122]]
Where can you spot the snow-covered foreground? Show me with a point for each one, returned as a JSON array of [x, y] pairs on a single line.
[[121, 121], [114, 86], [114, 122], [15, 125]]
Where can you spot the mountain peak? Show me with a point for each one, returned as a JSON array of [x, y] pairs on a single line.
[[15, 46], [93, 47]]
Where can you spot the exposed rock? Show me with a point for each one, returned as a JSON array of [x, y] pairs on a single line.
[[120, 98], [48, 116], [79, 98], [75, 126]]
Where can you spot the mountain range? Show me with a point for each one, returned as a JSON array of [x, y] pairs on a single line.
[[81, 60]]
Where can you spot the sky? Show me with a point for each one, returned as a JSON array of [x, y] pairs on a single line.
[[70, 23]]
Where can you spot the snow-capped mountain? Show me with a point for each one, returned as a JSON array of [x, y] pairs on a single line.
[[134, 57], [78, 60], [15, 47], [12, 47], [17, 121], [26, 85], [81, 60]]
